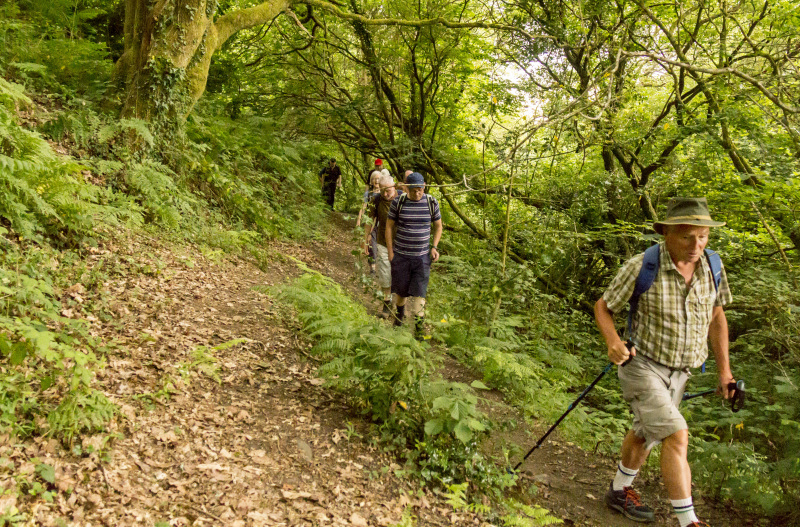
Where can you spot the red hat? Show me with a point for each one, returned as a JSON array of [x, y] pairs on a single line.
[[378, 162]]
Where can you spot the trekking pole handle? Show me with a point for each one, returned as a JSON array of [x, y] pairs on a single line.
[[690, 396], [737, 401], [629, 345]]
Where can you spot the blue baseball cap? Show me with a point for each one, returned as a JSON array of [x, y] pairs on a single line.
[[415, 179]]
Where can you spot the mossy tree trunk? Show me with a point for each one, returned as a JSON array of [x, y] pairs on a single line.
[[168, 48]]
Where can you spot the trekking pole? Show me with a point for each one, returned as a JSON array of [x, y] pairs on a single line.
[[565, 414], [737, 401], [572, 407]]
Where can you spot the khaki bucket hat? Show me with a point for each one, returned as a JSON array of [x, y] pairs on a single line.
[[687, 211]]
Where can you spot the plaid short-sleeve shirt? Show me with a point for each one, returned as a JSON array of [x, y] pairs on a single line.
[[671, 324]]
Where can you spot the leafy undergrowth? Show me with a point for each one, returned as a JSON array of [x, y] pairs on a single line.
[[540, 353], [433, 424]]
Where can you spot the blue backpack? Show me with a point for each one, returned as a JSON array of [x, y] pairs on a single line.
[[647, 274]]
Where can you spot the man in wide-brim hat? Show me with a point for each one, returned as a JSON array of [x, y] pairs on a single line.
[[687, 211], [676, 316]]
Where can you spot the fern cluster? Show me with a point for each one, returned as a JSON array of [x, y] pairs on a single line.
[[432, 422], [514, 513], [47, 361], [377, 365], [44, 194], [537, 354]]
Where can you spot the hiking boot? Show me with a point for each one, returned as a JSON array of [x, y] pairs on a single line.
[[627, 502], [400, 312]]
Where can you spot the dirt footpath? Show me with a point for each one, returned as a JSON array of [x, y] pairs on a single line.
[[224, 422]]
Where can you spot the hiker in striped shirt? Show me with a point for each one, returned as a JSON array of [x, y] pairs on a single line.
[[413, 219]]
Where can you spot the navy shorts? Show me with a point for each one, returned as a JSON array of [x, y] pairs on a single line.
[[410, 275]]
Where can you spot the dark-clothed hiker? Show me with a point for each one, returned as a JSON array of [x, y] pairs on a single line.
[[412, 217], [676, 316], [330, 177]]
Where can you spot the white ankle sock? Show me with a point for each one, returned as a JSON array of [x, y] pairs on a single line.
[[684, 510], [624, 477]]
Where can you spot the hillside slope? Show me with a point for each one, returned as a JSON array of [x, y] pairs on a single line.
[[223, 421]]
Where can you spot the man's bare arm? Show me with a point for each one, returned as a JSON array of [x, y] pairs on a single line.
[[437, 235], [604, 318], [718, 334], [437, 231]]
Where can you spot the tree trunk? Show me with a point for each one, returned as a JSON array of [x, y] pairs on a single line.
[[168, 48]]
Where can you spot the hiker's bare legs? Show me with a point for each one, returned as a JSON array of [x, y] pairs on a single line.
[[399, 300], [633, 452], [674, 466], [416, 306]]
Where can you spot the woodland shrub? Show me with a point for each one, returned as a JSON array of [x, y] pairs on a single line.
[[434, 423], [43, 193], [48, 360], [35, 52], [254, 175], [541, 353]]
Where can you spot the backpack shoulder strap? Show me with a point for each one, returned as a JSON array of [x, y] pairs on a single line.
[[430, 204], [400, 203], [645, 278], [715, 262]]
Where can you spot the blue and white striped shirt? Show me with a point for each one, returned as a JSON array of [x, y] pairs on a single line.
[[413, 234]]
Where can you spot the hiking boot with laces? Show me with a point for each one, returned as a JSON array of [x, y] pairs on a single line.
[[628, 502]]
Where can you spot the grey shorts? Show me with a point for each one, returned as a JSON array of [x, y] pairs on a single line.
[[383, 268], [654, 392]]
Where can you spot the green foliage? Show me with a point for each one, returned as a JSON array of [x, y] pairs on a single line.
[[538, 354], [454, 410], [43, 193], [252, 174], [204, 361], [35, 51], [407, 520], [521, 515], [154, 186], [388, 374], [513, 513], [80, 412], [48, 359], [377, 365]]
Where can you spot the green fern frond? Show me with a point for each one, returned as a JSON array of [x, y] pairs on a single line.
[[522, 515], [12, 94]]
